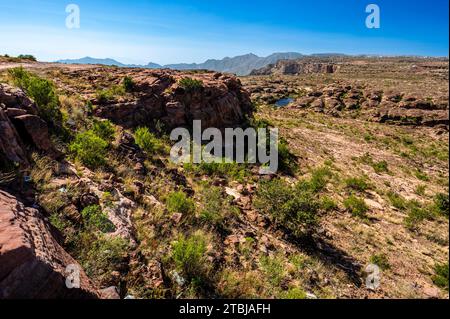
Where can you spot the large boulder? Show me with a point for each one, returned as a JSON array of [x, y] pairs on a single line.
[[11, 145], [32, 262], [20, 126]]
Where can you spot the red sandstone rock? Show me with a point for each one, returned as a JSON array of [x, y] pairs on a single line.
[[32, 263]]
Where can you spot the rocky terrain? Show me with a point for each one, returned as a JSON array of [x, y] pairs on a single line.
[[295, 67], [86, 182]]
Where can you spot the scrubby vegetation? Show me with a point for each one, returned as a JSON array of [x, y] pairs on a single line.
[[189, 256], [294, 208], [110, 94], [356, 206], [27, 57], [440, 278], [190, 84], [178, 202], [222, 230], [90, 149], [42, 91], [94, 218], [128, 84], [148, 141]]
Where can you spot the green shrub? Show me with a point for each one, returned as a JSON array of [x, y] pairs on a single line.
[[104, 129], [293, 293], [328, 204], [422, 176], [106, 95], [356, 206], [380, 167], [397, 201], [100, 255], [420, 190], [128, 84], [441, 204], [215, 207], [417, 213], [287, 162], [147, 141], [190, 84], [358, 184], [220, 168], [27, 57], [440, 278], [381, 261], [94, 218], [189, 255], [180, 203], [318, 181], [59, 222], [43, 93], [273, 268], [89, 148], [292, 208]]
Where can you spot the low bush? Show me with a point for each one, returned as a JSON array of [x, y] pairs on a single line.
[[147, 140], [27, 57], [318, 181], [128, 84], [89, 148], [397, 201], [100, 254], [178, 202], [417, 213], [104, 129], [43, 93], [293, 293], [287, 161], [328, 204], [107, 95], [356, 206], [440, 278], [358, 184], [215, 208], [295, 209], [380, 167], [94, 218], [273, 268], [441, 204], [189, 255], [190, 84], [381, 261]]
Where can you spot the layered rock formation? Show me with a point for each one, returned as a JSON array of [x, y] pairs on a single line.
[[220, 101], [387, 106], [294, 67], [32, 263], [20, 126]]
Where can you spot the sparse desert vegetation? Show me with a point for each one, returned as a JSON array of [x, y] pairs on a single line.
[[354, 188]]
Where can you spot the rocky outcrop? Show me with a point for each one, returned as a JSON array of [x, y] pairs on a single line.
[[220, 101], [21, 127], [386, 106], [11, 145], [295, 67], [32, 263]]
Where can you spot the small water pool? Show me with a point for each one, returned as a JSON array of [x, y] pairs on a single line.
[[283, 102]]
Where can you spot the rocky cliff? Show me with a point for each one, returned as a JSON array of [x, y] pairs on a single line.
[[293, 67]]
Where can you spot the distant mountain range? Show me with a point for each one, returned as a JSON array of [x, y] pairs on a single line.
[[240, 65]]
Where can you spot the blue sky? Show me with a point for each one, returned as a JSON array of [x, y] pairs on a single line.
[[195, 30]]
